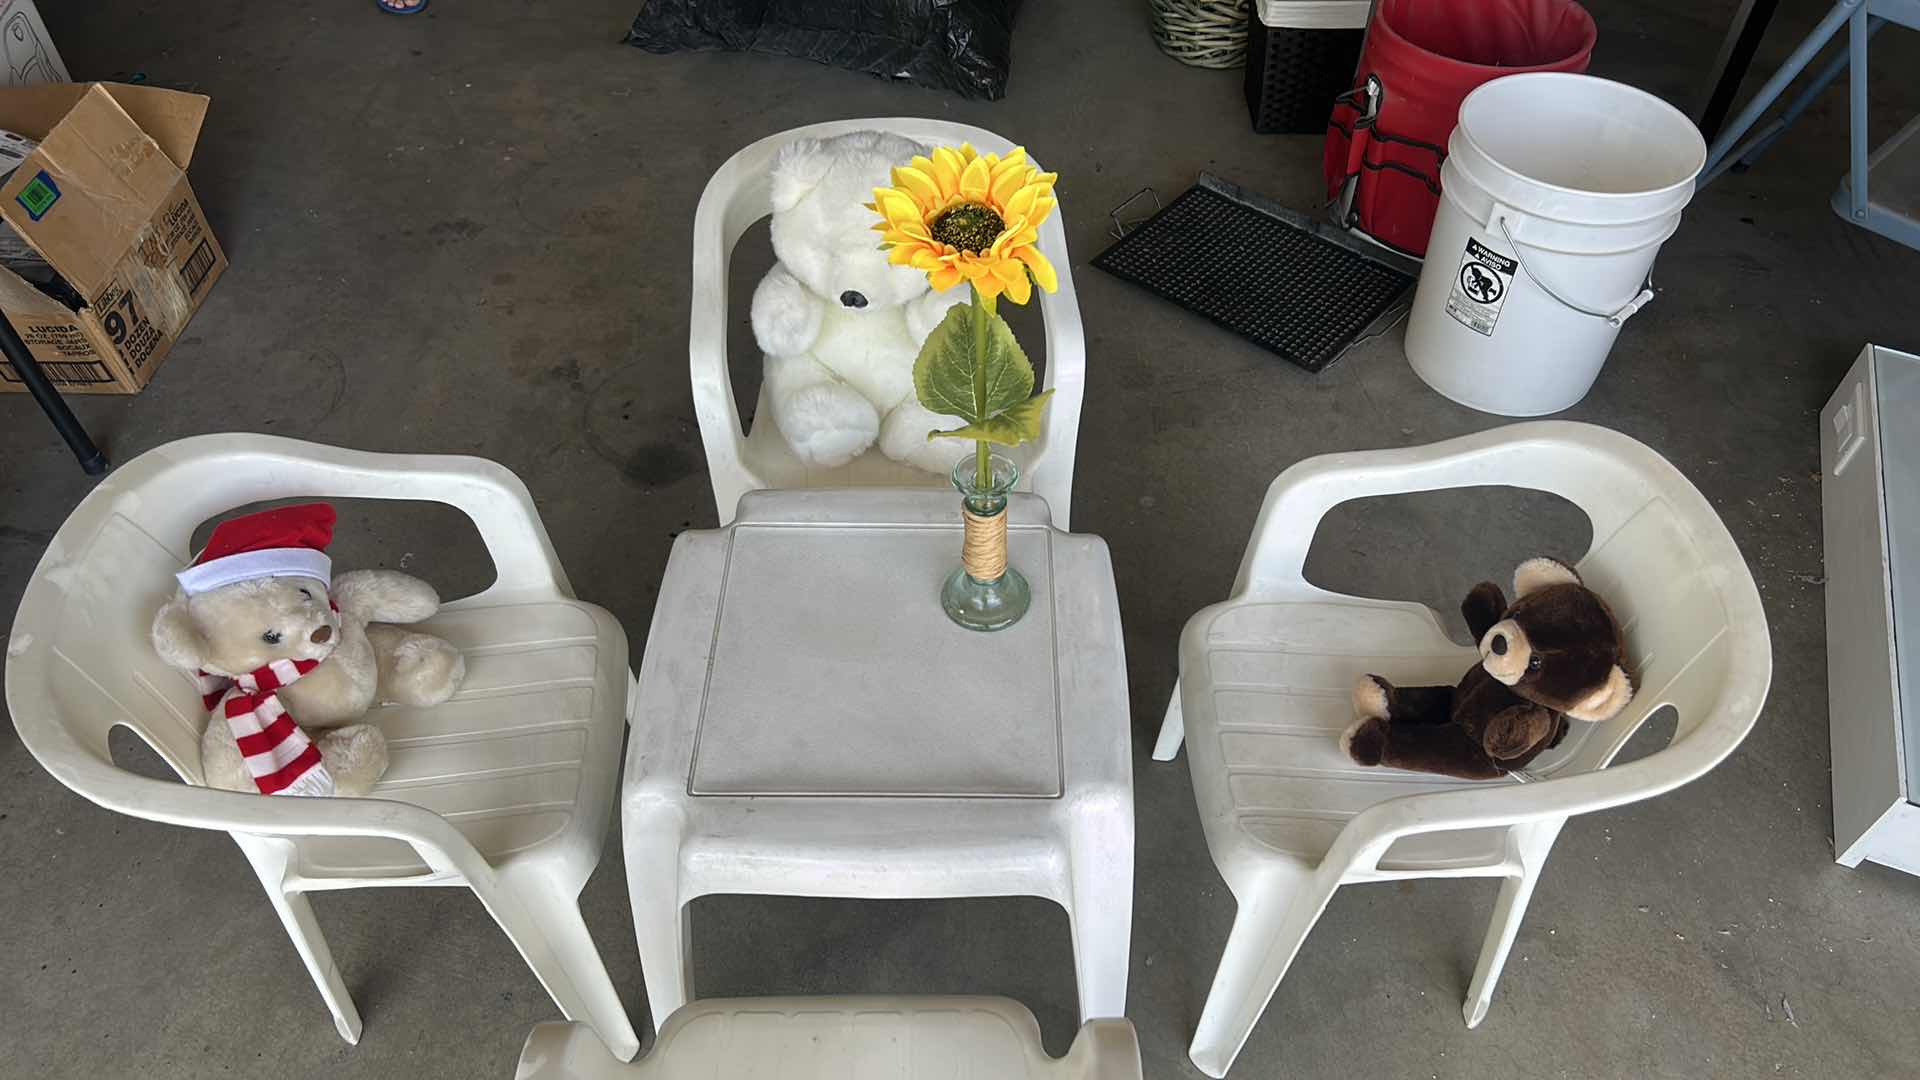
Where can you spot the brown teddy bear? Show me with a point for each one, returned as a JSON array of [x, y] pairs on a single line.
[[1556, 653]]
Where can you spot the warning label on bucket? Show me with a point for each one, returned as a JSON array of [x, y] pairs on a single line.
[[1480, 288]]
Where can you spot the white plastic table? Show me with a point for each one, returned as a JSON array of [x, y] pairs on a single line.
[[809, 723]]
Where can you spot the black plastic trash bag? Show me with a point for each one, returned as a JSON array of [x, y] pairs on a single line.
[[960, 45]]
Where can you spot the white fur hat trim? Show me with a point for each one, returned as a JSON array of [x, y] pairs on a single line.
[[247, 565]]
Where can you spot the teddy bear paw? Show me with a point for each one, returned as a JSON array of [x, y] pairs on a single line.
[[828, 424], [927, 312], [424, 671], [904, 437], [356, 756], [785, 316], [1365, 740], [1370, 697]]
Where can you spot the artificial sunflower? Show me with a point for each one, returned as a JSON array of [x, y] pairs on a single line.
[[960, 215]]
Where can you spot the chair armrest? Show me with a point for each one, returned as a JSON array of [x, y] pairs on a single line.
[[439, 844], [254, 468], [733, 200], [1606, 474], [1371, 832], [1066, 376]]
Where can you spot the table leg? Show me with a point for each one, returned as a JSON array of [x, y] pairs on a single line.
[[1100, 859], [92, 461], [661, 924]]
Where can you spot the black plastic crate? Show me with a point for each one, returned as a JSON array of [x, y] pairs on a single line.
[[1294, 75]]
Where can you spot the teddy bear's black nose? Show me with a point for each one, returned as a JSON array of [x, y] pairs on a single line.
[[852, 299], [1498, 644]]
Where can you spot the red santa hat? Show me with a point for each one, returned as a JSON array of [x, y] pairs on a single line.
[[288, 542]]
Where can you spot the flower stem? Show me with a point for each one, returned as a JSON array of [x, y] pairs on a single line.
[[982, 450]]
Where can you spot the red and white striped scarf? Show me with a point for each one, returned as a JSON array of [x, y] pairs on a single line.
[[280, 757]]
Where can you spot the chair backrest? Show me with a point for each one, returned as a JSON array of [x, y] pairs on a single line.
[[1662, 559], [1691, 620], [739, 195], [80, 659]]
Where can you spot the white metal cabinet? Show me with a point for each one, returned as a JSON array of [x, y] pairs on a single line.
[[1870, 466]]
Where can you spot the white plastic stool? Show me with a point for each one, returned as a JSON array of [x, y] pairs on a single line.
[[841, 1038]]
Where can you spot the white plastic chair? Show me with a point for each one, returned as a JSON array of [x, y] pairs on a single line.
[[737, 197], [1264, 694], [505, 789], [842, 1038]]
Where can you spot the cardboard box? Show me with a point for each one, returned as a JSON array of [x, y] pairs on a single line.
[[104, 199]]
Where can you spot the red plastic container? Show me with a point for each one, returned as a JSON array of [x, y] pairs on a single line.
[[1425, 57]]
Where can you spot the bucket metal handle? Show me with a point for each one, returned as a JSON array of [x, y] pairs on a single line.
[[1617, 318]]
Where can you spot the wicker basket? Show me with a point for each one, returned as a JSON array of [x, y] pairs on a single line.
[[1202, 33]]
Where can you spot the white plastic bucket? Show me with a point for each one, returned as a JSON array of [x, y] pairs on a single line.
[[1557, 192]]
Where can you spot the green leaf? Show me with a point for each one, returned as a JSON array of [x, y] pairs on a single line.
[[1016, 425], [943, 375]]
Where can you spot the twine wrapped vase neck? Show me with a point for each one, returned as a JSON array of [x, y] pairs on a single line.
[[985, 592], [983, 553]]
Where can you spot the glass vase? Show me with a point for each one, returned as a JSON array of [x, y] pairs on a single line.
[[986, 592]]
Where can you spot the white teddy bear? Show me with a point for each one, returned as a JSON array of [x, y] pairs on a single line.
[[840, 326], [289, 657]]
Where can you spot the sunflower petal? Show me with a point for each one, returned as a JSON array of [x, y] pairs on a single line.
[[1009, 273], [1020, 203], [947, 167], [1042, 206], [1043, 273], [899, 209], [1005, 184], [902, 255], [946, 277], [975, 182], [917, 184], [1019, 289]]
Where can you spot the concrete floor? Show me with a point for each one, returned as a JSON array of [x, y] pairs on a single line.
[[468, 232]]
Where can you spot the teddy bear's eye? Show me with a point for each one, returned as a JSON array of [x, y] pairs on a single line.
[[1533, 663], [271, 637], [305, 595]]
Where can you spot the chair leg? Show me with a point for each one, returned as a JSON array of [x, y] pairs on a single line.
[[661, 923], [1268, 931], [1173, 729], [1508, 911], [296, 914], [569, 965], [1100, 908]]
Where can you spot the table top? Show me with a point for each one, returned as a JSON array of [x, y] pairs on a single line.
[[802, 652]]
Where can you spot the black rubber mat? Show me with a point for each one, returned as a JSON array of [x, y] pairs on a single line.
[[1299, 288]]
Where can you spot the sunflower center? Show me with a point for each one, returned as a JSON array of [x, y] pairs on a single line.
[[969, 227]]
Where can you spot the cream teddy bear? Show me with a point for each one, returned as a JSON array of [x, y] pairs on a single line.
[[289, 657], [839, 325]]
